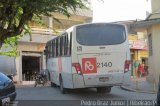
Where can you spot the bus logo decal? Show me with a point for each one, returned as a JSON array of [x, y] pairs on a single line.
[[89, 65]]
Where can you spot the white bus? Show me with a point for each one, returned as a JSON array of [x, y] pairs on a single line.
[[92, 55]]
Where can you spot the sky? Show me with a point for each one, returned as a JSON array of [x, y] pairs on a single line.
[[119, 10]]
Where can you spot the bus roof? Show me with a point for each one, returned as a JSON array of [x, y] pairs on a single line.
[[72, 27]]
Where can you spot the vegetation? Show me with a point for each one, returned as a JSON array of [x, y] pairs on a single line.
[[15, 14]]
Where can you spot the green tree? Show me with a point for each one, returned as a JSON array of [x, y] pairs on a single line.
[[15, 14]]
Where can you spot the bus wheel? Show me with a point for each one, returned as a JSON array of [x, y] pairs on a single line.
[[53, 84], [63, 90], [103, 89], [108, 89]]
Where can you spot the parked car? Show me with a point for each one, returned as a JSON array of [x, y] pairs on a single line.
[[7, 89]]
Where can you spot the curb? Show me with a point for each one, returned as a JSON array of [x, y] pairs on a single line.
[[24, 86], [30, 85], [139, 91], [127, 89]]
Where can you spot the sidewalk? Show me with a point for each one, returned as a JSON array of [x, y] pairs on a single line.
[[25, 84], [140, 85], [29, 84]]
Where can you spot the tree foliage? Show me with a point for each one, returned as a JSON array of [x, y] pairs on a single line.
[[15, 14]]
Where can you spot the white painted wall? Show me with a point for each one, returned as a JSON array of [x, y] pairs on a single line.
[[154, 60]]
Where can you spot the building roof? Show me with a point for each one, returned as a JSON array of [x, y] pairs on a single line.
[[146, 23], [152, 19], [154, 15]]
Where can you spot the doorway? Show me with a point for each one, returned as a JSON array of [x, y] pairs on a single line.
[[30, 67]]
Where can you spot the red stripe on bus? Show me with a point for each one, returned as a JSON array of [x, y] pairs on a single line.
[[60, 65]]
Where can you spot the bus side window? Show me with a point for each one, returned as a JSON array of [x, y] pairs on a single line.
[[49, 50], [66, 44], [53, 53], [63, 44], [68, 37], [70, 43], [60, 46], [54, 43], [46, 52], [56, 47]]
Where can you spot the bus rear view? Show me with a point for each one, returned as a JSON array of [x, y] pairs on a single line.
[[100, 56]]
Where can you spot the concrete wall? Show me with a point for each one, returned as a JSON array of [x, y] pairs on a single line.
[[154, 59], [34, 47], [155, 5]]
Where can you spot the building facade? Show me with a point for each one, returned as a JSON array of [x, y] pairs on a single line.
[[139, 52], [151, 25], [138, 47]]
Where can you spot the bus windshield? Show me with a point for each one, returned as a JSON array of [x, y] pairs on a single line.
[[100, 34]]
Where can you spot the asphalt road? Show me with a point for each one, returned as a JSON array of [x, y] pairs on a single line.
[[50, 96]]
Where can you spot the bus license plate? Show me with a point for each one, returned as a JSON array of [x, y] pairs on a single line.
[[103, 79]]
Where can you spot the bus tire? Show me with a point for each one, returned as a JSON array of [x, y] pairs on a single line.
[[63, 90], [103, 89], [108, 89], [53, 84]]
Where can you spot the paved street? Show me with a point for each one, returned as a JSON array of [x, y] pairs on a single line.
[[50, 93]]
